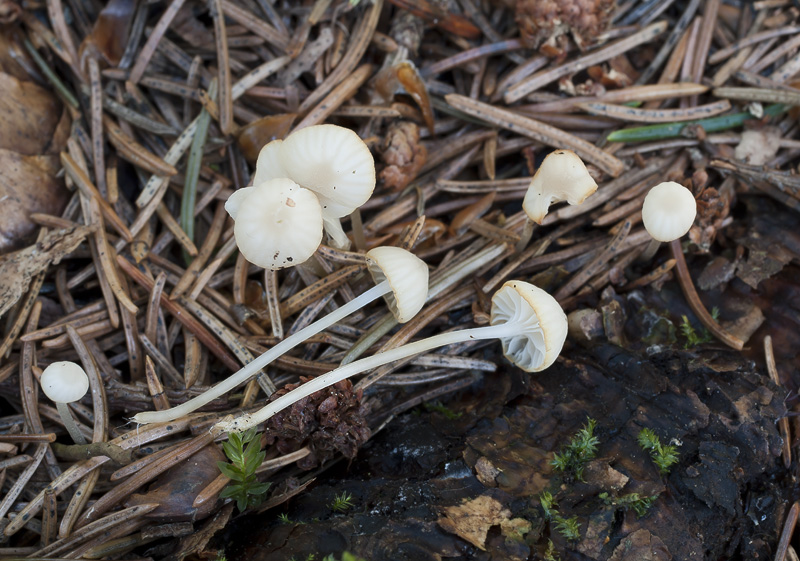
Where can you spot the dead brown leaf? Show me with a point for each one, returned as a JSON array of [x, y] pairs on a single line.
[[17, 269], [29, 116], [472, 519], [20, 174]]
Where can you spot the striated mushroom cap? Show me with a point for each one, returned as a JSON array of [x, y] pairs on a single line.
[[407, 275], [330, 160], [561, 177], [668, 211], [543, 328], [277, 223]]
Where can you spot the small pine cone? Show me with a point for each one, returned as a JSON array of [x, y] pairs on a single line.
[[403, 154], [544, 24], [328, 421]]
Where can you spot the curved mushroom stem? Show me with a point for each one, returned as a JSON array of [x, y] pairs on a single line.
[[252, 367], [336, 235], [328, 379], [526, 235], [69, 423]]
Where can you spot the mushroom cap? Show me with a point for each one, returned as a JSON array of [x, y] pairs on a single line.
[[234, 202], [277, 223], [407, 275], [668, 211], [269, 164], [64, 382], [543, 325], [330, 160], [561, 177]]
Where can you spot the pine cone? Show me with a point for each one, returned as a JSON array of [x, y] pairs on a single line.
[[328, 421], [545, 24]]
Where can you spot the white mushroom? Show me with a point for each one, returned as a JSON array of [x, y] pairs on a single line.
[[668, 211], [330, 160], [402, 279], [63, 383], [561, 177], [277, 223], [529, 322]]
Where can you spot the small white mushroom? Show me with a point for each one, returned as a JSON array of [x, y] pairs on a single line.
[[407, 279], [529, 322], [63, 383], [561, 177], [401, 278], [668, 211], [277, 223], [330, 160]]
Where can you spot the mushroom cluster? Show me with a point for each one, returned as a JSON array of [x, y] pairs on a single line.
[[302, 185], [529, 322]]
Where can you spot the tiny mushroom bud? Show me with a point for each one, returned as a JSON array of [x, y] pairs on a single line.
[[65, 382], [668, 211], [277, 223], [401, 278], [330, 160], [528, 321]]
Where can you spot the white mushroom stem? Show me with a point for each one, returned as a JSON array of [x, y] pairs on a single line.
[[501, 331], [649, 251], [526, 235], [336, 235], [254, 366], [69, 423]]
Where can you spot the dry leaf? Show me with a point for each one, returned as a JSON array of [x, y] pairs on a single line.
[[18, 268], [29, 116], [472, 519], [110, 32], [176, 489], [27, 184]]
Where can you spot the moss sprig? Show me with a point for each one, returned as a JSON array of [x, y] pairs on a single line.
[[245, 455], [581, 449], [664, 456]]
